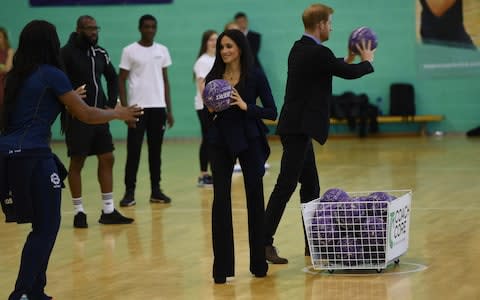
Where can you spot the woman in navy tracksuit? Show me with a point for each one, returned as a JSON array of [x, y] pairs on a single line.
[[36, 92], [239, 132]]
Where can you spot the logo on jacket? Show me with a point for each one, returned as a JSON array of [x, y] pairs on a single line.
[[55, 179]]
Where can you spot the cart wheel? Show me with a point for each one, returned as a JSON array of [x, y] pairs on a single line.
[[330, 271], [397, 261], [379, 270]]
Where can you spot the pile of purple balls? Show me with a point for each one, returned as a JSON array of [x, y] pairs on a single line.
[[350, 231]]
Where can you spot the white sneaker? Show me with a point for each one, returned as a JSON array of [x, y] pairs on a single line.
[[267, 166], [237, 168]]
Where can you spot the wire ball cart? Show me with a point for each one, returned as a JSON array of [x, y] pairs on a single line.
[[357, 230]]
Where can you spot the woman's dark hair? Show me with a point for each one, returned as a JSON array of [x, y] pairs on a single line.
[[246, 58], [203, 46], [38, 45]]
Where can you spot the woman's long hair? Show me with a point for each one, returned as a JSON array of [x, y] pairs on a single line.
[[38, 45], [246, 58], [203, 46]]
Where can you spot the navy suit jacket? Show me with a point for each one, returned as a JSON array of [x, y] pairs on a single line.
[[309, 87], [254, 43], [234, 127]]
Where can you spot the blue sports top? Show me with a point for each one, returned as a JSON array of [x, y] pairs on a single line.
[[36, 109]]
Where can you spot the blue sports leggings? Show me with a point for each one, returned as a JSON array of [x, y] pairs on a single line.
[[46, 194]]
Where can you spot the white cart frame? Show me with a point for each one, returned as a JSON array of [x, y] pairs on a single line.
[[395, 233]]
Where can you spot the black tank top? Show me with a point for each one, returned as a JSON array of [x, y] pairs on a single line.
[[446, 29]]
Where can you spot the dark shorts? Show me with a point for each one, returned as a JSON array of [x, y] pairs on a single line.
[[84, 140]]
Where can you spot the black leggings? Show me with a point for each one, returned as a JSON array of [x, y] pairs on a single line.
[[205, 123]]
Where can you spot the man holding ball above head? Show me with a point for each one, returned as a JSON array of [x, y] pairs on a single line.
[[305, 114]]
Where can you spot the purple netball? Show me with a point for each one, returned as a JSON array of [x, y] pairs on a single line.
[[335, 195], [377, 205], [216, 95], [359, 34], [349, 252], [374, 231]]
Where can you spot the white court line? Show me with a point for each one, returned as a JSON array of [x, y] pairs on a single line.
[[385, 272]]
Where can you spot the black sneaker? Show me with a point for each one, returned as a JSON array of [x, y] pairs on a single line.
[[114, 218], [205, 180], [159, 197], [128, 200], [80, 220]]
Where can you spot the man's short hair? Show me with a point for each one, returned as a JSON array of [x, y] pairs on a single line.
[[239, 15], [315, 14], [82, 19], [146, 18]]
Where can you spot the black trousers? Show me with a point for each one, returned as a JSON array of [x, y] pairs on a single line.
[[153, 123], [297, 165], [205, 123], [252, 161]]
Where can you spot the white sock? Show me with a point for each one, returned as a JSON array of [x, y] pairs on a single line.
[[108, 206], [77, 205]]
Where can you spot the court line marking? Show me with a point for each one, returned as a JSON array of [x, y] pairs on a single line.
[[417, 268]]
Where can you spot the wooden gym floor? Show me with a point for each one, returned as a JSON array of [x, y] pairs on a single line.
[[167, 254]]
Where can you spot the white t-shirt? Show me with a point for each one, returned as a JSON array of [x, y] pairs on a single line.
[[145, 79], [202, 67]]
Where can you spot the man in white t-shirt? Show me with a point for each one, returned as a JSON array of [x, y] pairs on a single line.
[[144, 65]]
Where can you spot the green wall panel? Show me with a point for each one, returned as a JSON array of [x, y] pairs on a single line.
[[180, 26]]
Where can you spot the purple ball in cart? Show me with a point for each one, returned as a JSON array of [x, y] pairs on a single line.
[[379, 209], [349, 252], [322, 227], [349, 215], [335, 195], [359, 34], [216, 95], [374, 234]]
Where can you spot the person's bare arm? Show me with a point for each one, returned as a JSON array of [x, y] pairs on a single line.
[[122, 93], [200, 85], [439, 7], [122, 86], [168, 101], [9, 62], [7, 66], [92, 115]]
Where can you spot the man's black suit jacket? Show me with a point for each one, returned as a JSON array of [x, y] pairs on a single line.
[[309, 86], [254, 43]]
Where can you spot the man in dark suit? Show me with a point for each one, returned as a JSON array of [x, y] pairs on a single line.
[[253, 37], [305, 114]]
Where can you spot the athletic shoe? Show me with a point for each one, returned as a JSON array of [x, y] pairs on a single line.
[[80, 220], [159, 197], [205, 180], [128, 200], [271, 255], [114, 218], [266, 166]]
